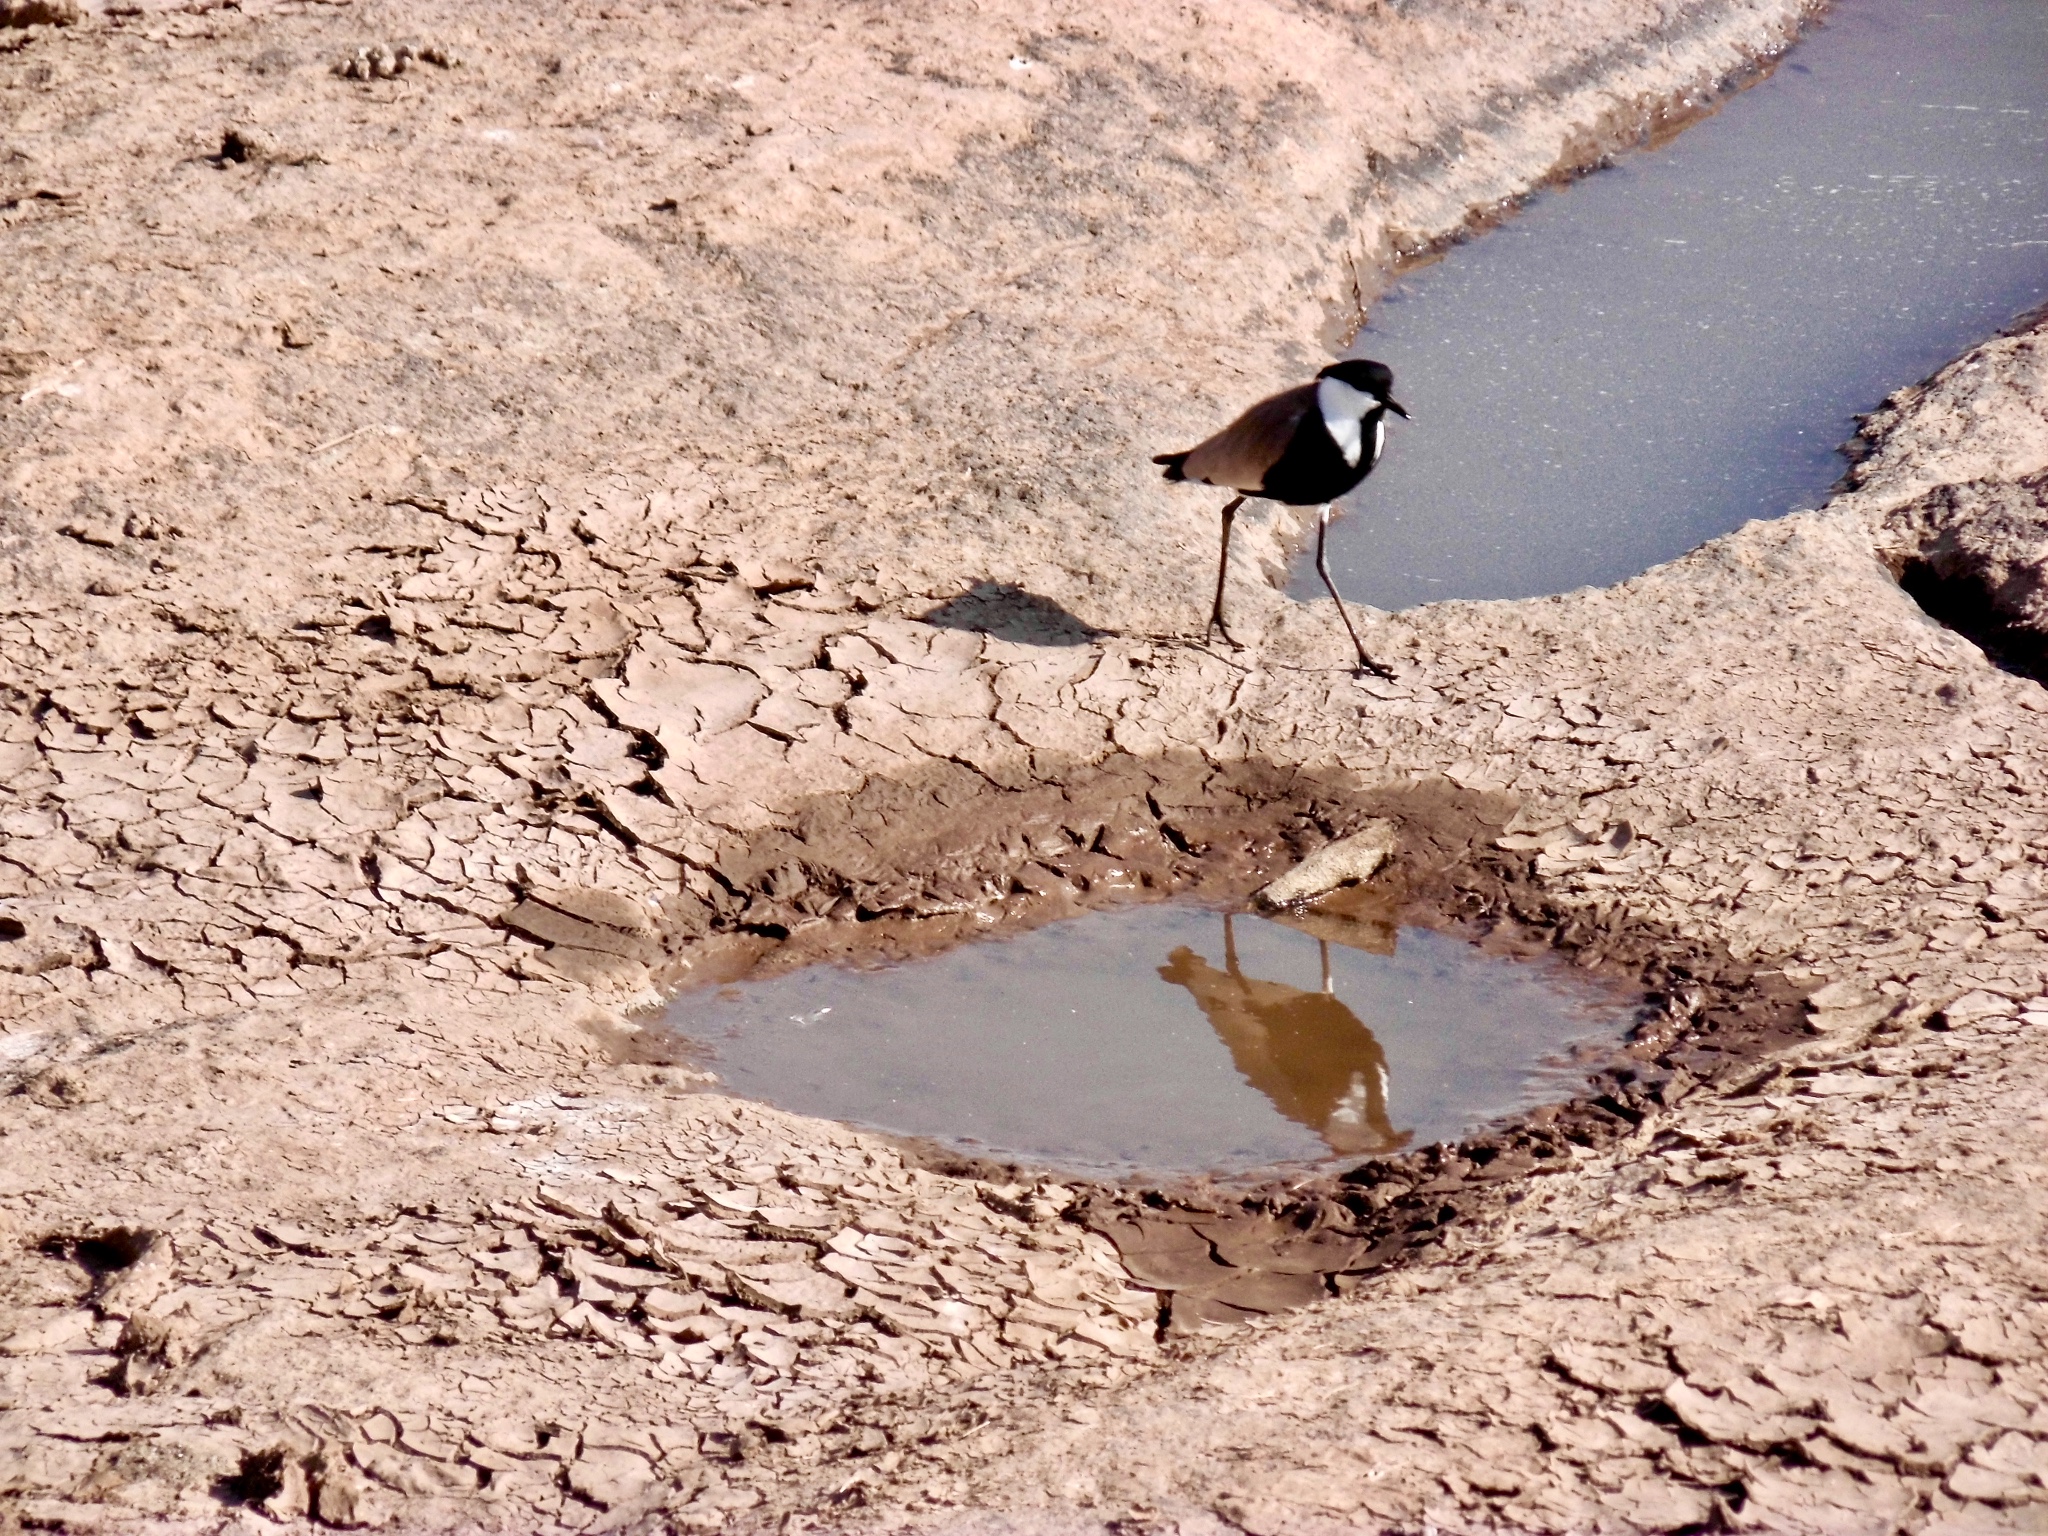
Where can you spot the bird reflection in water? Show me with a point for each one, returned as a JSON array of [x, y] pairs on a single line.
[[1304, 1050]]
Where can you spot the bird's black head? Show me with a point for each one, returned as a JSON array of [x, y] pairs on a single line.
[[1362, 373]]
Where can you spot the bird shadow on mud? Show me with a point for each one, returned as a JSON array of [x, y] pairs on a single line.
[[1008, 612]]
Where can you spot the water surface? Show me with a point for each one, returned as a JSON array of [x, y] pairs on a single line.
[[1655, 355], [1166, 1038]]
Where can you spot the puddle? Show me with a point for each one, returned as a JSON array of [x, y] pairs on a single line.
[[1649, 358], [1170, 1038]]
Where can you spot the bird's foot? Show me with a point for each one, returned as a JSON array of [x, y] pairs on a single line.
[[1217, 627], [1367, 667]]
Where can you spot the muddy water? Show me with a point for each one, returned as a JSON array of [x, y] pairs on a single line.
[[1651, 357], [1167, 1038]]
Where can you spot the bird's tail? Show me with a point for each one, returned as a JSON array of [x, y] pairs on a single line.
[[1175, 464]]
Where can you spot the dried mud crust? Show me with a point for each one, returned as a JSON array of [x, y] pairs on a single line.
[[461, 533], [1768, 1313], [717, 1264]]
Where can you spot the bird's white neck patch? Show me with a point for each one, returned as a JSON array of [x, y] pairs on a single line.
[[1343, 409]]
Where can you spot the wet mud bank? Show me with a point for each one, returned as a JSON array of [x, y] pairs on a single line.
[[433, 633], [954, 861]]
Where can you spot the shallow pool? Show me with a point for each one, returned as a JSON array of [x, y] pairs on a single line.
[[1647, 359], [1168, 1038]]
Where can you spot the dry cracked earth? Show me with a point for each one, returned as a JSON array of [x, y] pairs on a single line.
[[506, 512]]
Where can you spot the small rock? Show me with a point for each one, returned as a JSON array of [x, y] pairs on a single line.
[[1349, 859]]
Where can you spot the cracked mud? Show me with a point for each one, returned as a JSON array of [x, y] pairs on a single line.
[[485, 544]]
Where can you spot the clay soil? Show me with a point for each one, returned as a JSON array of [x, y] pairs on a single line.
[[641, 492]]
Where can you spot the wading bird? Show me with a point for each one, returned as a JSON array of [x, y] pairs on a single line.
[[1304, 446]]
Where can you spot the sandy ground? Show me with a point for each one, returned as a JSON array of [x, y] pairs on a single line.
[[484, 544]]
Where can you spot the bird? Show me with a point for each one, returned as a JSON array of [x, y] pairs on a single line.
[[1304, 446]]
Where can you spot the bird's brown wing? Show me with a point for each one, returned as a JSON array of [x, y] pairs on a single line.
[[1239, 456]]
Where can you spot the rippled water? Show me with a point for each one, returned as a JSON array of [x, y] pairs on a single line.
[[1167, 1038], [1651, 357]]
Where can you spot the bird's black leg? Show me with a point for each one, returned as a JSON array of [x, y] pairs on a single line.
[[1365, 662], [1223, 570]]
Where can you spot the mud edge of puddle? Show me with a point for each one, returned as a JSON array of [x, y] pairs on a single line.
[[905, 869]]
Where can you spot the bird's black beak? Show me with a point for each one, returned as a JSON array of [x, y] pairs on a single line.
[[1395, 406]]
